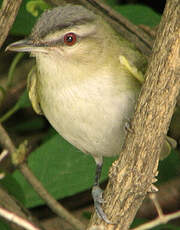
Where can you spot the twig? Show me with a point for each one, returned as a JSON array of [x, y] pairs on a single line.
[[8, 14], [2, 175], [160, 220], [6, 141], [7, 144], [153, 197], [168, 196], [3, 154], [9, 113], [149, 30], [14, 63], [17, 219], [52, 203], [12, 205]]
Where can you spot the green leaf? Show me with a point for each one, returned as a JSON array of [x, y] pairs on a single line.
[[62, 169], [4, 226], [111, 2], [24, 21], [170, 227], [35, 6], [11, 185], [138, 221], [23, 101], [49, 134], [166, 226], [139, 14], [36, 123], [169, 167]]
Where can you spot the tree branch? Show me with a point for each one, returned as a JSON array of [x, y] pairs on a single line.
[[8, 14], [57, 208], [5, 140], [12, 217], [50, 201], [132, 175], [160, 220], [168, 197]]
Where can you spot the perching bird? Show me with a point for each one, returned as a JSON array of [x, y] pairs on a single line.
[[86, 81]]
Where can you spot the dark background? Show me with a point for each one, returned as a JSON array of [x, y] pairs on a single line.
[[158, 5]]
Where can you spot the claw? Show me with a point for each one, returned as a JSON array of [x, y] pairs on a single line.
[[128, 127], [98, 200], [97, 194], [101, 213]]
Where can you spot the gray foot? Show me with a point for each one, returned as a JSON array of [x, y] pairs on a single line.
[[128, 127], [98, 200]]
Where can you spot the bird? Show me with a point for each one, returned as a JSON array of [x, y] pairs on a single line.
[[86, 82]]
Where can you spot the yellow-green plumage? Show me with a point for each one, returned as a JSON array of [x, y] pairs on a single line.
[[32, 90]]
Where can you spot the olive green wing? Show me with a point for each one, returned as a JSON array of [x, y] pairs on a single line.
[[132, 69], [136, 65], [32, 90], [132, 60]]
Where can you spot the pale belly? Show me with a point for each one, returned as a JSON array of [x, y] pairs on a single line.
[[92, 119]]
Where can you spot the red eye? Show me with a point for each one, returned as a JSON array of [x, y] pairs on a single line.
[[70, 39]]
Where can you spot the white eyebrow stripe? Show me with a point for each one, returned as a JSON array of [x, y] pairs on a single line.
[[80, 31]]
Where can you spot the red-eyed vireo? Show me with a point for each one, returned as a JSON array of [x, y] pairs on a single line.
[[86, 81]]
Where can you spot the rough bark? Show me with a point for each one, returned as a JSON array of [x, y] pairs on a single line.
[[132, 175], [8, 12]]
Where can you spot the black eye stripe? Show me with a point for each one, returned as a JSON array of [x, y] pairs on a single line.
[[60, 41]]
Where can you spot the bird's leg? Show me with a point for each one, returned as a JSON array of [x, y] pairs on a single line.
[[98, 173], [97, 191]]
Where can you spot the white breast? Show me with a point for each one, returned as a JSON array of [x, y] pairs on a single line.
[[90, 114]]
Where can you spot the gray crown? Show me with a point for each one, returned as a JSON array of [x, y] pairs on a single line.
[[60, 18]]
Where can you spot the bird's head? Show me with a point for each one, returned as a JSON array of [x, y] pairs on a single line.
[[71, 32]]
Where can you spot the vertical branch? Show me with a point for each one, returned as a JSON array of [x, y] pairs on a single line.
[[132, 175], [8, 12]]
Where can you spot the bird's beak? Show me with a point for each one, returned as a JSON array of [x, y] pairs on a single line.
[[25, 45]]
